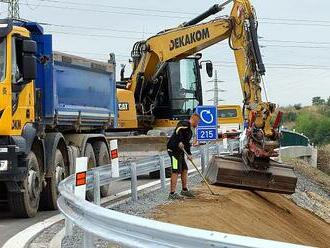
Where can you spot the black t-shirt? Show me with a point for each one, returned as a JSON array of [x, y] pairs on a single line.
[[182, 133]]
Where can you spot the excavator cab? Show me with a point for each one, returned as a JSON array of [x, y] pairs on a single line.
[[181, 91]]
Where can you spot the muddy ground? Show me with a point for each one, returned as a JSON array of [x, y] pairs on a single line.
[[257, 214]]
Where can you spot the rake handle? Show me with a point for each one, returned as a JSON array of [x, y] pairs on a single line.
[[200, 173]]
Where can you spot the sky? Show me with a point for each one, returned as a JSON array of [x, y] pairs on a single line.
[[294, 39]]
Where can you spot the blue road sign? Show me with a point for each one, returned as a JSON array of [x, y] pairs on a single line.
[[207, 129], [207, 134]]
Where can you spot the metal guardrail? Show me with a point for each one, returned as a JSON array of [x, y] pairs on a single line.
[[132, 231]]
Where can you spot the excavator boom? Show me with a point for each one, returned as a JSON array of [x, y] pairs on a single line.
[[254, 170]]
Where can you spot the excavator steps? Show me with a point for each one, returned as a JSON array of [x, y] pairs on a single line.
[[233, 173]]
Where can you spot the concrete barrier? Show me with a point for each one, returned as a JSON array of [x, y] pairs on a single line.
[[307, 153]]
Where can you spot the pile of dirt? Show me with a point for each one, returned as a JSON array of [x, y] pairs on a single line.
[[256, 214]]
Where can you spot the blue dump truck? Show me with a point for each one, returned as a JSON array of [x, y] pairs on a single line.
[[53, 108]]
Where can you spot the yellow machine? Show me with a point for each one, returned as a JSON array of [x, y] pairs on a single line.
[[230, 121], [157, 96]]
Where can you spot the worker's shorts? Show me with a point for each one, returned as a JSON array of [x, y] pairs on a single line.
[[178, 163]]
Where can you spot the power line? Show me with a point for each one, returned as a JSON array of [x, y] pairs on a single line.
[[180, 12], [96, 35], [278, 64], [299, 42], [138, 38], [151, 33], [295, 20], [104, 11], [282, 67], [289, 46], [121, 7], [93, 28], [315, 22]]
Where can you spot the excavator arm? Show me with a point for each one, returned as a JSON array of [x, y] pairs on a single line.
[[150, 57], [254, 170]]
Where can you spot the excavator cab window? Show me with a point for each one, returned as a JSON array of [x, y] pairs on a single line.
[[184, 82]]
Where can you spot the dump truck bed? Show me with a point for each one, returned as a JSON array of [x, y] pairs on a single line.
[[232, 172]]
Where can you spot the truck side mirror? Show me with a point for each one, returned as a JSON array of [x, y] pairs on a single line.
[[29, 67], [209, 69], [29, 60], [29, 46]]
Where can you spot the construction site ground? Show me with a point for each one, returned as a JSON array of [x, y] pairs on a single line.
[[257, 214]]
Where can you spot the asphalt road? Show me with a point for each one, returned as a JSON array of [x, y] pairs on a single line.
[[10, 226]]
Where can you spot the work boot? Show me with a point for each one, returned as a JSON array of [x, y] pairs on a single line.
[[187, 193], [175, 196]]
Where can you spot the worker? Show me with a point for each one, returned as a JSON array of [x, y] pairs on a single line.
[[178, 143]]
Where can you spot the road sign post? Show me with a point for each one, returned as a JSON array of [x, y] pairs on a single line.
[[207, 129]]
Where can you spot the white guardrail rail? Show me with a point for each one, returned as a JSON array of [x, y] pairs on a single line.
[[132, 231]]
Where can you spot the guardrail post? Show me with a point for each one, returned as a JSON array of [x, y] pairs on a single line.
[[207, 154], [97, 196], [134, 182], [88, 240], [203, 158], [218, 148], [231, 148], [162, 172]]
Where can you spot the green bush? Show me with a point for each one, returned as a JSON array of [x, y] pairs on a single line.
[[289, 116], [315, 126]]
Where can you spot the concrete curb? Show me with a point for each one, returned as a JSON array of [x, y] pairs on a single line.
[[24, 238]]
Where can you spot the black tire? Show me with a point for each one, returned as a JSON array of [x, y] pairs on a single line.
[[156, 174], [89, 153], [50, 193], [25, 204], [102, 158]]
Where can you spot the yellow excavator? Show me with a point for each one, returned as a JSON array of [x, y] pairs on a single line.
[[163, 88]]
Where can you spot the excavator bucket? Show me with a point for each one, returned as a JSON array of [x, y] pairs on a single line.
[[233, 173]]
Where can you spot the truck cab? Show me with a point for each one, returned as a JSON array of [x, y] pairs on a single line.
[[230, 121]]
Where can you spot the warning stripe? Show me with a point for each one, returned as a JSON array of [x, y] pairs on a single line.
[[114, 154], [81, 178]]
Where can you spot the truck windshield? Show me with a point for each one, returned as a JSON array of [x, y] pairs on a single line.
[[2, 59], [227, 113], [184, 78]]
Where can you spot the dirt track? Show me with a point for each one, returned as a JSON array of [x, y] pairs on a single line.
[[260, 214]]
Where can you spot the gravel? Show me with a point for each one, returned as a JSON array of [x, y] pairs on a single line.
[[42, 241], [147, 201], [311, 196]]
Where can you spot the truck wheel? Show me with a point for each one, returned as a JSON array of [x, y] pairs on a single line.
[[102, 158], [50, 193], [25, 204], [89, 153]]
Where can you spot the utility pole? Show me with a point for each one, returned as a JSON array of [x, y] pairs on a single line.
[[216, 89], [13, 8]]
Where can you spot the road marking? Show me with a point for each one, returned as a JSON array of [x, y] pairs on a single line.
[[23, 238]]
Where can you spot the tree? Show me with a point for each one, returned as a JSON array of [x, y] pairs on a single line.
[[328, 101], [317, 100], [297, 106]]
